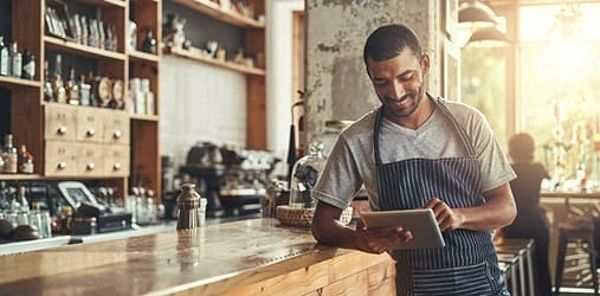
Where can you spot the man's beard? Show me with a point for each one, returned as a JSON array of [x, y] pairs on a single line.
[[413, 98]]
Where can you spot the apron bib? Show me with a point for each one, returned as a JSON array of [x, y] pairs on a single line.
[[468, 264]]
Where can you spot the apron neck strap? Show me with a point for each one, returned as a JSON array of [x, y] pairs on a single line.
[[439, 103]]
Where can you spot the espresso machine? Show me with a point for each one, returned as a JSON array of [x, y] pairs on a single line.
[[204, 163]]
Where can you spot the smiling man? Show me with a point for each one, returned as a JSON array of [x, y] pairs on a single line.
[[416, 151]]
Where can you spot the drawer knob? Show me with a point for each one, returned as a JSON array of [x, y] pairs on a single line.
[[90, 132], [117, 135], [90, 166], [62, 165], [117, 166], [62, 130]]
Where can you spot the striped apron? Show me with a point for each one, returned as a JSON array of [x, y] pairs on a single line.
[[467, 265]]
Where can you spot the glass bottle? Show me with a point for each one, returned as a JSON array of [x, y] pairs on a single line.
[[23, 199], [84, 91], [304, 176], [9, 155], [4, 60], [48, 93], [16, 60], [25, 161], [60, 94], [72, 88], [28, 71]]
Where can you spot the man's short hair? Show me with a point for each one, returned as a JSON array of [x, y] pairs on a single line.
[[389, 41]]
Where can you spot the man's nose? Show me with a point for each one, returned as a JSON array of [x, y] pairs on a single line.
[[397, 90]]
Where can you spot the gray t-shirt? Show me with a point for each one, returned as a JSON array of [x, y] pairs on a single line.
[[351, 162]]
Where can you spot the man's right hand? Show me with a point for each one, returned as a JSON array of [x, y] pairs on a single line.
[[380, 240]]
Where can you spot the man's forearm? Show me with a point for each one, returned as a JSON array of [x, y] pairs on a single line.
[[486, 217], [499, 210], [335, 234]]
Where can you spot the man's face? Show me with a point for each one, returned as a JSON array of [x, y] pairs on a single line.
[[398, 82]]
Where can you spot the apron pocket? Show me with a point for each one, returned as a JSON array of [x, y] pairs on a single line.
[[462, 280]]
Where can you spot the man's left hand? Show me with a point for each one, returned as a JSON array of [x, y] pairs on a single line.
[[447, 218]]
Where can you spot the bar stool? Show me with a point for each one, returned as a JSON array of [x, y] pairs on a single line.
[[512, 260], [524, 248], [578, 230]]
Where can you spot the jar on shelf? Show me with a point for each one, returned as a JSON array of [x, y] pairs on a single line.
[[305, 173]]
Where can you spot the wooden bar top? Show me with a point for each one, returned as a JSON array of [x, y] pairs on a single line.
[[210, 260], [583, 195]]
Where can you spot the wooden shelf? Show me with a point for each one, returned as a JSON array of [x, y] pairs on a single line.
[[12, 82], [10, 177], [225, 65], [117, 3], [17, 177], [215, 10], [80, 49], [135, 55], [143, 117]]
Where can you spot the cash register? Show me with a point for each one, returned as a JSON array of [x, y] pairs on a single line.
[[85, 205]]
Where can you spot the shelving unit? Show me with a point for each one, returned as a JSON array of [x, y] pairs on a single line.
[[33, 130], [254, 44], [214, 62], [12, 82], [140, 117], [135, 55], [118, 3], [83, 50], [228, 16]]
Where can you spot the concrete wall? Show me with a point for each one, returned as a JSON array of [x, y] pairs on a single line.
[[337, 86]]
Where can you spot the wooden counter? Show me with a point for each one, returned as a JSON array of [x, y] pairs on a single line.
[[253, 257]]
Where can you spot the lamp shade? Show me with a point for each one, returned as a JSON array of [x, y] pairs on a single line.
[[490, 35], [476, 12]]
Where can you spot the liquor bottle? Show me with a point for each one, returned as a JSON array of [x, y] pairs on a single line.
[[91, 80], [16, 60], [28, 65], [9, 155], [84, 91], [72, 88], [60, 94], [3, 58], [25, 161], [101, 34], [48, 93], [23, 200]]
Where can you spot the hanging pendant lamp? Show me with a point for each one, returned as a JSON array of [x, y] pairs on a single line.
[[475, 12], [490, 35]]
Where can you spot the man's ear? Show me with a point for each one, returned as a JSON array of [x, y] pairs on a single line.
[[425, 63]]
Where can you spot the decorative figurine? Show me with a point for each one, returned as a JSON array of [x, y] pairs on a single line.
[[173, 29], [149, 44]]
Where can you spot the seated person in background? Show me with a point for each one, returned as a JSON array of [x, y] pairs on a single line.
[[531, 221]]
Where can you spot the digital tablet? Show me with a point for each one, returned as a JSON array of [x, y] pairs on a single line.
[[421, 222]]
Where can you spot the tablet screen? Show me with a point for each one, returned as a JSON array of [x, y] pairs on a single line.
[[421, 222]]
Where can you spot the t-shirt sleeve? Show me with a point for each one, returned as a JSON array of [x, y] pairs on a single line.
[[495, 168], [340, 180]]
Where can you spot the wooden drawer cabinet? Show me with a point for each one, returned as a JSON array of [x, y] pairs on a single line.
[[116, 160], [61, 158], [116, 127], [90, 124], [90, 160], [60, 122], [82, 141]]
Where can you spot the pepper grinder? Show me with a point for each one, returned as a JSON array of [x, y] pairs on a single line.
[[189, 207]]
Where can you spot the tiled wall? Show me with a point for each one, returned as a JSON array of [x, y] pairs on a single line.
[[199, 102]]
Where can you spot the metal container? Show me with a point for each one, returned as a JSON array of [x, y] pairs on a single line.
[[189, 202]]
